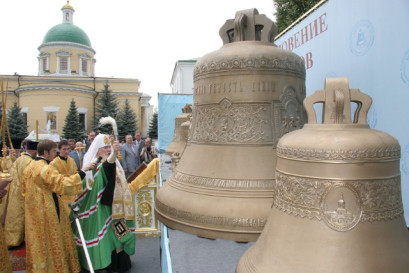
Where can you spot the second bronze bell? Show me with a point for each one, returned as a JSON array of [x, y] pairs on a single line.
[[338, 204]]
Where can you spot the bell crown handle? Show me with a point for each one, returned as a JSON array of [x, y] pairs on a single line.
[[336, 100], [248, 25]]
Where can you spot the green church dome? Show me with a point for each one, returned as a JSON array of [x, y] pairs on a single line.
[[67, 33]]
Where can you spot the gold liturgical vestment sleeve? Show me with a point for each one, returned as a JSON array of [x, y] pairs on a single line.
[[50, 246], [58, 183], [65, 168], [145, 177], [14, 225]]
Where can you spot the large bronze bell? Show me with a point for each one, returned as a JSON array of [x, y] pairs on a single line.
[[180, 134], [338, 205], [246, 96]]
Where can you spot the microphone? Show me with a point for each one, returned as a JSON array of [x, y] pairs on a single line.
[[98, 159], [75, 207]]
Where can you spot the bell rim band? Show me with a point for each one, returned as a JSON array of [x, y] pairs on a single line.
[[174, 215], [323, 186]]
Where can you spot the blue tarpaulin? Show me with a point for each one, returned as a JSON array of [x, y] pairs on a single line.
[[361, 41], [169, 107]]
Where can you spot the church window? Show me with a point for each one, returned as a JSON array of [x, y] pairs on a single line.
[[63, 62], [51, 120], [63, 65], [84, 66], [82, 112], [24, 117], [23, 112], [82, 121], [45, 64]]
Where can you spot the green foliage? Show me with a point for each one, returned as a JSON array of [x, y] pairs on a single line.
[[16, 124], [126, 121], [287, 11], [106, 106], [153, 126], [72, 127]]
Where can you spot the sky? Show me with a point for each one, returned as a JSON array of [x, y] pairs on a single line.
[[132, 38]]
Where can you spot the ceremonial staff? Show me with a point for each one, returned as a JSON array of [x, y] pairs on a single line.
[[112, 122], [75, 207], [4, 174], [80, 150]]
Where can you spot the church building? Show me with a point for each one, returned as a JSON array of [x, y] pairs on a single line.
[[66, 71]]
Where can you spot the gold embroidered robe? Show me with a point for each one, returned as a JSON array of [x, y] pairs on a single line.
[[14, 225], [65, 168], [6, 164], [5, 264], [50, 245], [143, 179]]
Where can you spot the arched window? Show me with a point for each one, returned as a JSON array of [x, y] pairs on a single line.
[[63, 62], [44, 63], [85, 65]]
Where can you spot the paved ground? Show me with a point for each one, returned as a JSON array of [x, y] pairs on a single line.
[[146, 258], [192, 254]]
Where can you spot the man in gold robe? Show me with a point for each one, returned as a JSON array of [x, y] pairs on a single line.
[[6, 163], [67, 167], [50, 245], [14, 225], [5, 264]]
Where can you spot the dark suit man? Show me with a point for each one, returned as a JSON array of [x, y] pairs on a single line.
[[72, 144], [130, 157], [78, 154], [91, 137]]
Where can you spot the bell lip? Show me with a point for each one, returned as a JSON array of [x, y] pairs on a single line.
[[336, 125], [207, 232]]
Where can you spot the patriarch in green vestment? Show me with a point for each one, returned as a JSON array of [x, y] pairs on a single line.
[[106, 213]]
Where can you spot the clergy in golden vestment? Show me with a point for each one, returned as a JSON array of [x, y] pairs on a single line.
[[5, 264], [50, 245], [6, 163], [66, 166], [14, 224]]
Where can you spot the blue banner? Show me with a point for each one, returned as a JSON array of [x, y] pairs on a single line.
[[368, 42], [169, 107]]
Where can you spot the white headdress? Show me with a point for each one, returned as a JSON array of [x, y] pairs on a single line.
[[100, 141]]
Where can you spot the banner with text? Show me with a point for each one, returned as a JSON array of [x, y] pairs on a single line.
[[366, 41]]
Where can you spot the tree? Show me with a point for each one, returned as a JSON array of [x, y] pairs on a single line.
[[107, 105], [126, 121], [16, 124], [287, 11], [153, 126], [72, 126]]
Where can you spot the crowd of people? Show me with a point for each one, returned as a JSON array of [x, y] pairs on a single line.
[[48, 179]]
